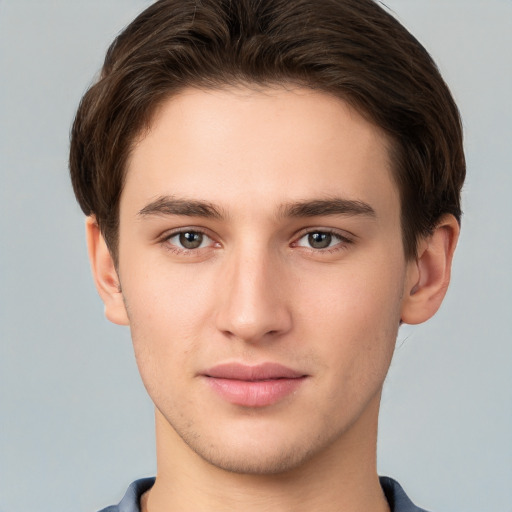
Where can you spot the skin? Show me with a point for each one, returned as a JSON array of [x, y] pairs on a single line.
[[261, 288]]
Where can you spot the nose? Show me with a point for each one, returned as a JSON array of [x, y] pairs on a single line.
[[253, 305]]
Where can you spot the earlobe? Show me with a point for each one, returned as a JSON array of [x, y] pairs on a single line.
[[429, 274], [105, 274]]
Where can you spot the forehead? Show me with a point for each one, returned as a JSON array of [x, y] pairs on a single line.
[[274, 145]]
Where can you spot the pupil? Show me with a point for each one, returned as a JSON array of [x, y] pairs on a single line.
[[191, 240], [319, 240]]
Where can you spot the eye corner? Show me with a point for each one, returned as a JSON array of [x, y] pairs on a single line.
[[188, 241], [327, 240]]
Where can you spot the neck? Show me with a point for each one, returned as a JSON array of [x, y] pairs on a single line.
[[342, 477]]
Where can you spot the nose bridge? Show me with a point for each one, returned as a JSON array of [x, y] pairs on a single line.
[[253, 304]]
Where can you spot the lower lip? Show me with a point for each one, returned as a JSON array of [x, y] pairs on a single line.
[[254, 393]]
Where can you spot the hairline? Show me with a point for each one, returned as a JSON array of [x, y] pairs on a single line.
[[392, 145]]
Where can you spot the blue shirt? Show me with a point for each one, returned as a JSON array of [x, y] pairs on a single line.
[[397, 499]]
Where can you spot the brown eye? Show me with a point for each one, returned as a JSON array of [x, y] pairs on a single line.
[[191, 239], [319, 240]]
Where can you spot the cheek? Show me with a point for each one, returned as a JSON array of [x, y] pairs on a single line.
[[357, 297], [165, 300], [354, 316], [165, 316]]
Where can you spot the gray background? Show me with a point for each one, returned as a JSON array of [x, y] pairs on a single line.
[[76, 426]]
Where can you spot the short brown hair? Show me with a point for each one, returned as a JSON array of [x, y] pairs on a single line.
[[352, 49]]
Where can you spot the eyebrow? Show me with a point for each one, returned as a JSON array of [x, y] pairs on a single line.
[[321, 207], [168, 205]]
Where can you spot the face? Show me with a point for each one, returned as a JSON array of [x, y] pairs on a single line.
[[262, 268]]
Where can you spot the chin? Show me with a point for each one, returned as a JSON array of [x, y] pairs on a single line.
[[256, 461], [260, 451]]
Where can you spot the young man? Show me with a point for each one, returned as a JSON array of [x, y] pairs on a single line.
[[272, 188]]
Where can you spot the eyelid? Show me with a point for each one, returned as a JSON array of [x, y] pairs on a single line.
[[167, 235], [344, 240], [344, 235], [185, 229]]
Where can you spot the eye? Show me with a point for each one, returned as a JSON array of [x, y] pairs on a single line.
[[189, 240], [321, 240]]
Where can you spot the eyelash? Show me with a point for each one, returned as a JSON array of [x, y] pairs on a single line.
[[165, 241], [342, 244]]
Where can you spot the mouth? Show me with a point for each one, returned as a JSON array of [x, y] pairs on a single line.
[[253, 386]]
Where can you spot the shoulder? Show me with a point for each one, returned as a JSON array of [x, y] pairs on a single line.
[[396, 496], [131, 499]]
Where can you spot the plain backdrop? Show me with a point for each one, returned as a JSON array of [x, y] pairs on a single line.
[[75, 424]]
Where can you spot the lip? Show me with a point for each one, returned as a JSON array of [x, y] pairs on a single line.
[[253, 386]]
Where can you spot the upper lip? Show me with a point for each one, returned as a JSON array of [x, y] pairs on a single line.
[[264, 371]]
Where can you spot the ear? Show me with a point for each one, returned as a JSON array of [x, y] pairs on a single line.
[[105, 274], [428, 275]]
